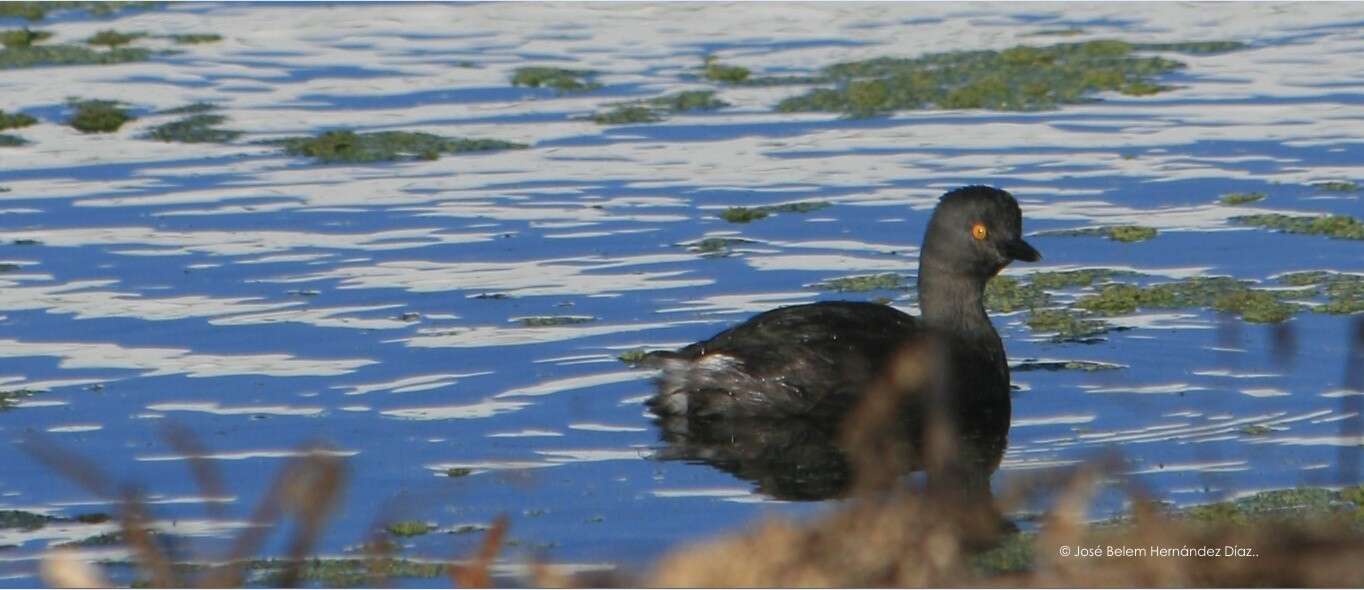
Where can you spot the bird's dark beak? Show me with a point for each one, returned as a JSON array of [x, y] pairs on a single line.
[[1017, 249]]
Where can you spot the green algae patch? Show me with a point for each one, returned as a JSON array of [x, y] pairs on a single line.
[[346, 572], [1220, 293], [1073, 278], [201, 128], [15, 120], [743, 214], [193, 108], [25, 37], [1021, 78], [561, 79], [408, 528], [1342, 227], [7, 140], [554, 320], [98, 116], [67, 55], [8, 399], [1337, 186], [632, 357], [862, 283], [1344, 292], [100, 540], [1071, 32], [22, 519], [626, 114], [747, 214], [714, 247], [1289, 504], [1255, 306], [1305, 278], [1065, 325], [385, 146], [36, 11], [1193, 47], [1240, 198], [1007, 294], [195, 38], [656, 109], [1086, 366], [1118, 233], [112, 38], [718, 72]]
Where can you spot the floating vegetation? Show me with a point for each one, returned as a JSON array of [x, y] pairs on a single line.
[[1065, 324], [627, 113], [656, 109], [1336, 186], [8, 399], [1087, 366], [35, 11], [24, 37], [1120, 233], [67, 55], [190, 109], [1021, 78], [1294, 504], [714, 70], [15, 120], [747, 214], [100, 540], [385, 146], [345, 573], [1007, 294], [1344, 292], [1072, 278], [458, 472], [563, 80], [554, 320], [98, 116], [201, 128], [1071, 32], [1219, 293], [7, 140], [743, 214], [111, 38], [1342, 227], [632, 357], [1240, 198], [714, 246], [408, 528], [22, 519], [862, 283], [196, 38]]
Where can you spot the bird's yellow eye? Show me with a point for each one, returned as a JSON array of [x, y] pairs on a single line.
[[978, 231]]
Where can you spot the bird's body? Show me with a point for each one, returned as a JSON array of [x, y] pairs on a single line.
[[816, 362], [792, 361]]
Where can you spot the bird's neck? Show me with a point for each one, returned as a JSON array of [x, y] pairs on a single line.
[[953, 302]]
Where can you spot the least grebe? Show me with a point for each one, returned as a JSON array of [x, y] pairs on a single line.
[[816, 361]]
